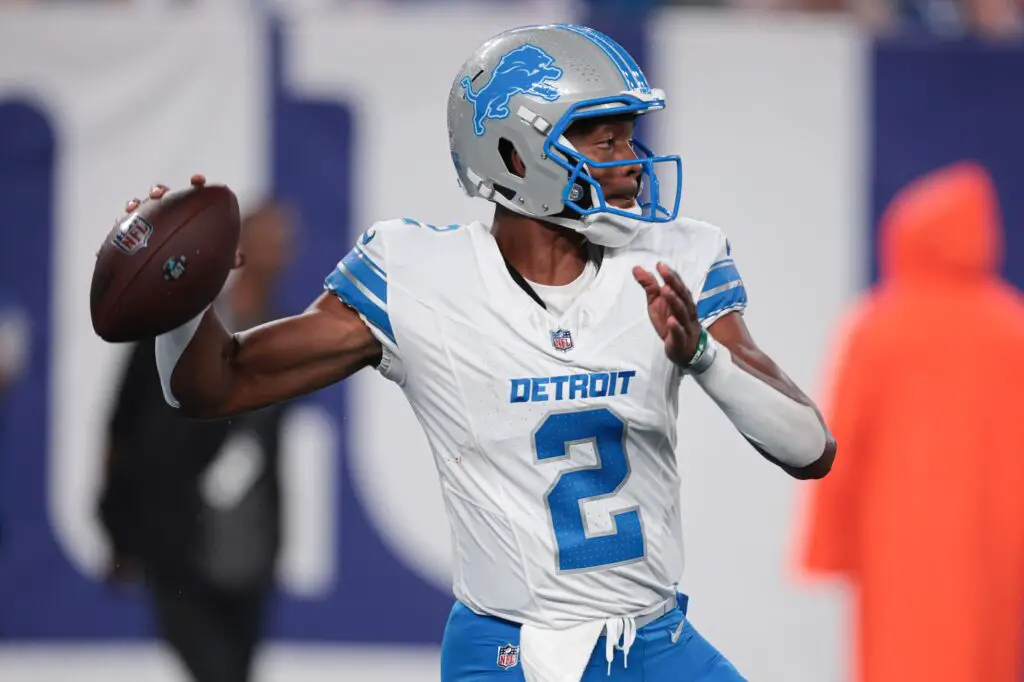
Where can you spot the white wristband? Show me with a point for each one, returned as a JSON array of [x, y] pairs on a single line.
[[789, 431], [169, 347]]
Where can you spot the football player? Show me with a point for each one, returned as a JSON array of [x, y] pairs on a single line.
[[542, 352]]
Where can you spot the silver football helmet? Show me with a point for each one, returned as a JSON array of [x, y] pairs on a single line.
[[522, 89]]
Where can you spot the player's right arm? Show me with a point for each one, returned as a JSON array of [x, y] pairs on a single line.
[[208, 372], [220, 374]]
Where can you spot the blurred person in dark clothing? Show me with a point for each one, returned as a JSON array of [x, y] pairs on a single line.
[[192, 507]]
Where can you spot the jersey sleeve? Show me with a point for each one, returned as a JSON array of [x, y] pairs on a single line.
[[360, 280], [723, 290]]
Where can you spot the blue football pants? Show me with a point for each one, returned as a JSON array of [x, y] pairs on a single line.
[[663, 652]]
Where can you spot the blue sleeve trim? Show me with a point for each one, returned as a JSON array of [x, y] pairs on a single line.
[[342, 284], [733, 298], [362, 269], [721, 273]]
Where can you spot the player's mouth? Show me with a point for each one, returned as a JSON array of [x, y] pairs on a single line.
[[622, 202], [622, 197]]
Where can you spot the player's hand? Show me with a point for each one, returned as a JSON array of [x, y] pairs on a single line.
[[672, 312], [156, 192]]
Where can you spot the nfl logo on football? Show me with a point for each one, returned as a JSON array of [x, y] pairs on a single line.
[[561, 339], [132, 235], [508, 656]]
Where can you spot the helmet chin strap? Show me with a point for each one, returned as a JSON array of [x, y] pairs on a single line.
[[605, 229]]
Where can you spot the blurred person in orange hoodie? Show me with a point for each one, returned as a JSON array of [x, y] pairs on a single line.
[[924, 512]]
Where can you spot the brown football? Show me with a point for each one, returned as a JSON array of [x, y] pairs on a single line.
[[163, 264]]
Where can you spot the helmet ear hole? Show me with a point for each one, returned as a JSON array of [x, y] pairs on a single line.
[[509, 156]]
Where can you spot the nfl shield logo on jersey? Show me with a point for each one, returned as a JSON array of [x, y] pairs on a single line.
[[508, 656], [132, 235], [561, 339]]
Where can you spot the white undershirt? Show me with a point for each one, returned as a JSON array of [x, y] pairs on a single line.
[[559, 298]]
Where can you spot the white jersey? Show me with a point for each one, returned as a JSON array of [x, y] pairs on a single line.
[[554, 436]]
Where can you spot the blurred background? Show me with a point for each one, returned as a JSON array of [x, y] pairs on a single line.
[[312, 540]]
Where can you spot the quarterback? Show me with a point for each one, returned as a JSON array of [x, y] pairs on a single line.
[[542, 353]]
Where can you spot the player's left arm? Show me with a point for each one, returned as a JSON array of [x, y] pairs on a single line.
[[767, 408], [731, 332]]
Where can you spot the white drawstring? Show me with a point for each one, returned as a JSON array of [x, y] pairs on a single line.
[[616, 628], [557, 655]]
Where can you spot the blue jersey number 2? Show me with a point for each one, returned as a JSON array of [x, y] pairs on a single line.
[[578, 550]]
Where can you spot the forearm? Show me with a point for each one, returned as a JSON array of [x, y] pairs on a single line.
[[192, 364], [208, 372], [265, 366], [769, 411], [760, 400]]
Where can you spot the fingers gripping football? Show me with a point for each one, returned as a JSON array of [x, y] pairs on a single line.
[[157, 191], [165, 261], [198, 180]]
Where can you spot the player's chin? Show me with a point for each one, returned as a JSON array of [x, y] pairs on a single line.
[[622, 202]]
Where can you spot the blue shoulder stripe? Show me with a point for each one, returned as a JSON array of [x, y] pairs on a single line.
[[361, 268], [721, 273], [732, 298], [340, 283]]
